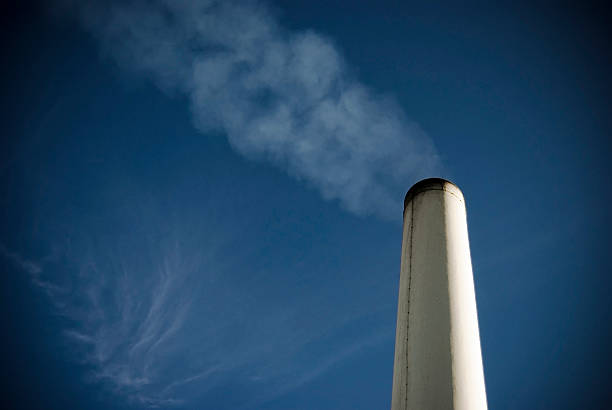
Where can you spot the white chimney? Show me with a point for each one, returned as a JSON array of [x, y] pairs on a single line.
[[438, 363]]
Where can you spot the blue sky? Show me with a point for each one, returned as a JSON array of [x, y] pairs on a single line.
[[201, 206]]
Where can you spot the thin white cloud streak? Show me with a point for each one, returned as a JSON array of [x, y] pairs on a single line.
[[284, 96], [32, 269], [163, 324], [125, 317], [296, 381], [127, 320]]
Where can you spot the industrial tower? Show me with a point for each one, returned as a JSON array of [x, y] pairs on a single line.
[[438, 363]]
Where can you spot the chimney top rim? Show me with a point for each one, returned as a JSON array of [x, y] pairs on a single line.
[[432, 184]]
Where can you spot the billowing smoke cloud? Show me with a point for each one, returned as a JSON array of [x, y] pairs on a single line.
[[283, 96]]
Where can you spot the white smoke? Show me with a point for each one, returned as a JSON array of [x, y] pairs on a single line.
[[284, 96]]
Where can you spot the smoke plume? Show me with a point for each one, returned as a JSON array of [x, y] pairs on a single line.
[[283, 96]]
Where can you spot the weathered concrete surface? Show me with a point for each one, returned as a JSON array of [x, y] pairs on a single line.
[[438, 363]]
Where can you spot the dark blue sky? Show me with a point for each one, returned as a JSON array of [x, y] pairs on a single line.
[[157, 252]]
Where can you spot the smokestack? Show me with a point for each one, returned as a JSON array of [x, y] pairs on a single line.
[[438, 363]]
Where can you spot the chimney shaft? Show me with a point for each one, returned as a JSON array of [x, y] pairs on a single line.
[[438, 363]]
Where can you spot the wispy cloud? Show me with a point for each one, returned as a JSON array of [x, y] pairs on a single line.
[[28, 266], [127, 316], [32, 268], [285, 96], [322, 366], [162, 321]]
